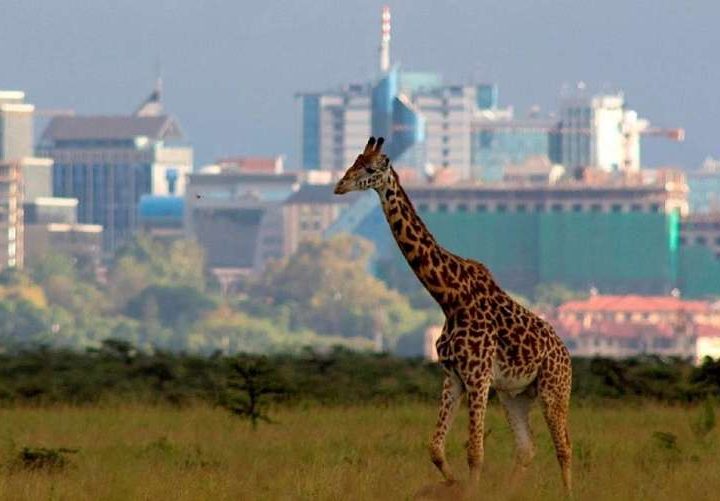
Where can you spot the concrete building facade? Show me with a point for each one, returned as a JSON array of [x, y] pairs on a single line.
[[11, 215], [237, 218], [309, 212], [51, 227]]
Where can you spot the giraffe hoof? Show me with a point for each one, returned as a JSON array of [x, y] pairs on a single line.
[[441, 492]]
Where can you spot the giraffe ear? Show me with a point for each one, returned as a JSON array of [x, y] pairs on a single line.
[[379, 144], [369, 145]]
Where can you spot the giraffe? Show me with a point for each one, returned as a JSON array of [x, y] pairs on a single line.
[[488, 339]]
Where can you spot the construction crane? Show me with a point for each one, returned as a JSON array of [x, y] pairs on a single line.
[[630, 130], [676, 134]]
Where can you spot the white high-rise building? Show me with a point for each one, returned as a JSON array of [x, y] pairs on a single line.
[[16, 125], [597, 131], [449, 113], [342, 125]]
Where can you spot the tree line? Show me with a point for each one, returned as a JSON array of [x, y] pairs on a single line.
[[119, 372]]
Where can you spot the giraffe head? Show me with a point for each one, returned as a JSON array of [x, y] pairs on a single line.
[[371, 169]]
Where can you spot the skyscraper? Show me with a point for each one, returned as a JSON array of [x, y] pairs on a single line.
[[598, 131], [109, 162]]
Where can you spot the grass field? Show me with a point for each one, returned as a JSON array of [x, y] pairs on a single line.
[[142, 452]]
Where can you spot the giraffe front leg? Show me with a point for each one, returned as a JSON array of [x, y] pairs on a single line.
[[477, 403], [452, 391]]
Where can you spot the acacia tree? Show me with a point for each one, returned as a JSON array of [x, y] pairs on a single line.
[[251, 381]]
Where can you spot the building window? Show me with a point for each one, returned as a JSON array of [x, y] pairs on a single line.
[[596, 208], [682, 240], [577, 208], [521, 208], [539, 207], [501, 208], [717, 241], [557, 207], [655, 208], [442, 207], [462, 208], [481, 208], [616, 208], [636, 208], [701, 240], [422, 207]]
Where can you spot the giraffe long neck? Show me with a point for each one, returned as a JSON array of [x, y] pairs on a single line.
[[417, 244]]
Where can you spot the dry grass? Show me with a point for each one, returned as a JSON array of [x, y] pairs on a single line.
[[365, 452]]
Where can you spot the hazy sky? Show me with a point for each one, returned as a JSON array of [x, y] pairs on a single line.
[[231, 68]]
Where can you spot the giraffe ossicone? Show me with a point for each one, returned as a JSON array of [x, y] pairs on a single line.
[[488, 340]]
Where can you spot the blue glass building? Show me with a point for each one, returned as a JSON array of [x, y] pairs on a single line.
[[498, 144], [109, 162]]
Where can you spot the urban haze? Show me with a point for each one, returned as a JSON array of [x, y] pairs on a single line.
[[231, 69]]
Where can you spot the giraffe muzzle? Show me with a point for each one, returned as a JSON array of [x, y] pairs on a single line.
[[340, 188]]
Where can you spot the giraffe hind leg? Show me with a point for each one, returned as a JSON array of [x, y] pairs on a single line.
[[517, 411], [452, 392], [554, 391]]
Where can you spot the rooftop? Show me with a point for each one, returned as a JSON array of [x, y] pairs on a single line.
[[633, 303], [253, 165], [320, 194], [68, 128], [54, 202], [165, 207], [215, 177]]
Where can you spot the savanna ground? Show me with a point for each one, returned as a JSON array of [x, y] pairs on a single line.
[[622, 451]]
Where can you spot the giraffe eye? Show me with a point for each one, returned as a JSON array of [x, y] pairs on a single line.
[[369, 170]]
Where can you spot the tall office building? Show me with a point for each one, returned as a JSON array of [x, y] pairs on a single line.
[[16, 125], [109, 162], [598, 131], [335, 127]]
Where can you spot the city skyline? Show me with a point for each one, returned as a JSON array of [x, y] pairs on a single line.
[[231, 71]]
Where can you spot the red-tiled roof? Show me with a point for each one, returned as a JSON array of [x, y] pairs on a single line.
[[268, 165], [632, 303], [704, 330]]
